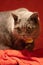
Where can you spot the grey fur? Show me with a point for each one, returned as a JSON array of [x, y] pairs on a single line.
[[11, 33]]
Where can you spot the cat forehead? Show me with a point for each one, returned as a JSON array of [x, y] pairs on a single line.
[[24, 16], [23, 13]]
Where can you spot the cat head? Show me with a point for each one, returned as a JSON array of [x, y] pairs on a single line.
[[26, 27]]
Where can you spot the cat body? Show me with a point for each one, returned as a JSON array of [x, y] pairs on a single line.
[[16, 27]]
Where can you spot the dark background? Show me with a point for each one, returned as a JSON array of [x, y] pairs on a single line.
[[32, 5]]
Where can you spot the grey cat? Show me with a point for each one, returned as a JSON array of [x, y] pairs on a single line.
[[16, 27]]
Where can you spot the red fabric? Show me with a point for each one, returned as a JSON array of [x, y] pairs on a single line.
[[24, 57]]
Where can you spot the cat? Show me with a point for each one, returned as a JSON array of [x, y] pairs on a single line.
[[17, 27]]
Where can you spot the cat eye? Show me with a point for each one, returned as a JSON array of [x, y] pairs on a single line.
[[19, 30]]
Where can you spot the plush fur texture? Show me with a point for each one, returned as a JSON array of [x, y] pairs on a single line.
[[17, 26]]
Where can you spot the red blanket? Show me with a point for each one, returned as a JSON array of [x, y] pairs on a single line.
[[24, 57]]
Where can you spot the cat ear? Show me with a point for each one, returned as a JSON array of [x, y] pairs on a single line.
[[35, 17], [15, 18], [35, 14]]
